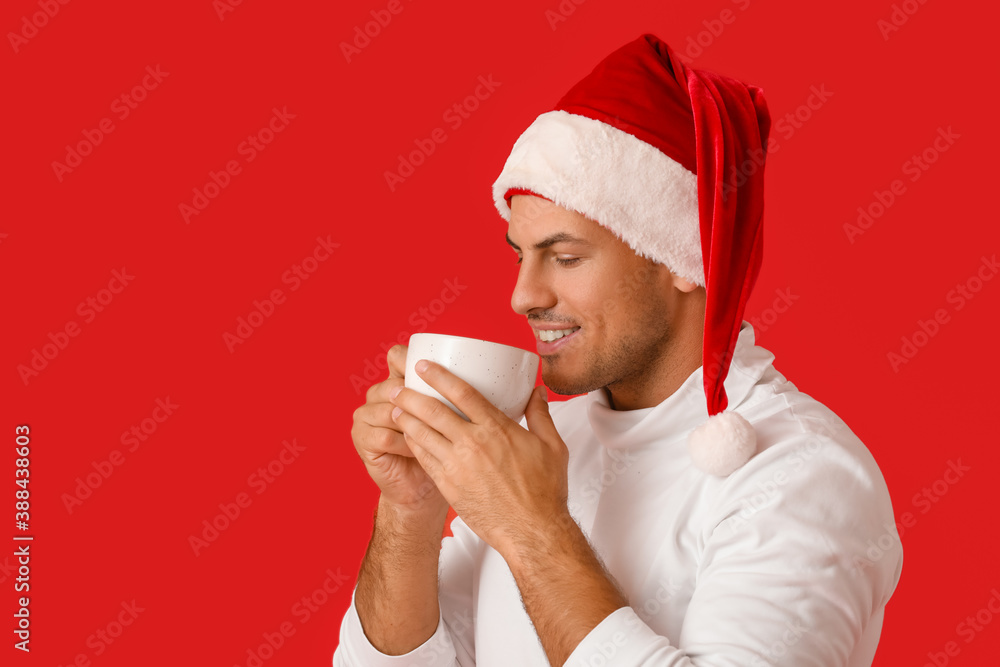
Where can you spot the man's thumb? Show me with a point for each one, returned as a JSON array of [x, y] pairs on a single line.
[[537, 414]]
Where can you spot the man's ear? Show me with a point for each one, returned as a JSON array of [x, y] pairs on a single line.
[[683, 284], [666, 276]]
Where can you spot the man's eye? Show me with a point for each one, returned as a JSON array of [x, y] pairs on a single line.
[[563, 262]]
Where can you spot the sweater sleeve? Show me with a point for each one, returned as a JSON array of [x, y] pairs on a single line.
[[452, 643], [798, 558]]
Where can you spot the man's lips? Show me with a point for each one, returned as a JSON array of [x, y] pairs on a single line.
[[538, 329], [548, 347]]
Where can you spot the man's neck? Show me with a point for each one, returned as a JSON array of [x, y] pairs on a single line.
[[657, 385]]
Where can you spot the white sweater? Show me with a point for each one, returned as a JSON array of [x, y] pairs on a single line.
[[788, 561]]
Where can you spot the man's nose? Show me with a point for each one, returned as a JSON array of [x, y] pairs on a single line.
[[532, 290]]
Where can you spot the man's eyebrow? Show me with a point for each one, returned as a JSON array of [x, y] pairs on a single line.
[[559, 237]]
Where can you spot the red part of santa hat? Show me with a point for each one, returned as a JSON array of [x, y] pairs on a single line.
[[669, 158]]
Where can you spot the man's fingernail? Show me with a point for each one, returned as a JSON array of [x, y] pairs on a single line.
[[422, 366], [395, 392], [396, 412]]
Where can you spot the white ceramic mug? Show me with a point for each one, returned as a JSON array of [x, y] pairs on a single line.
[[503, 374]]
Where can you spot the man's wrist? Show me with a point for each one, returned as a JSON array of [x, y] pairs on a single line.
[[396, 596], [560, 538], [565, 588], [416, 520]]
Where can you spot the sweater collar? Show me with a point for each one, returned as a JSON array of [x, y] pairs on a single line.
[[683, 410]]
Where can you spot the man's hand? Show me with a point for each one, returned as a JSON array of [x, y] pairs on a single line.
[[508, 484], [379, 442], [396, 596]]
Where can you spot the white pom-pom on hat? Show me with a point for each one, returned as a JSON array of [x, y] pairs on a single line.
[[722, 444]]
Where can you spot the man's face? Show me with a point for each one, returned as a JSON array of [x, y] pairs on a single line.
[[623, 310]]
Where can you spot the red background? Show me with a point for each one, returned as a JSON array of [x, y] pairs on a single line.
[[323, 176]]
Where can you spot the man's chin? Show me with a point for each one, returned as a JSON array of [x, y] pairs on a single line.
[[559, 383]]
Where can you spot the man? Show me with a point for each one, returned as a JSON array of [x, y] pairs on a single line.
[[643, 523]]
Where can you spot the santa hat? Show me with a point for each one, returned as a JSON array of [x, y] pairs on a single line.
[[670, 159]]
